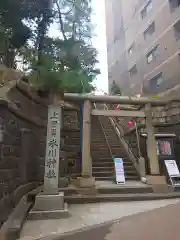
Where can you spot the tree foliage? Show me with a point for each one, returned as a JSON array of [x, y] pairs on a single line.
[[115, 89], [66, 60]]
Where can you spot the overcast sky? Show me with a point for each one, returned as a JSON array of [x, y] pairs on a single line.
[[99, 42]]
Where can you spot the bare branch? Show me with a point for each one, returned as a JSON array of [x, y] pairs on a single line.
[[60, 20]]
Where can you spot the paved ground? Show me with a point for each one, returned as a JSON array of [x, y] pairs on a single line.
[[90, 215], [159, 224]]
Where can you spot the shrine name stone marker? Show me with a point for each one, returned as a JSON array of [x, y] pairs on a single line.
[[51, 176], [50, 203]]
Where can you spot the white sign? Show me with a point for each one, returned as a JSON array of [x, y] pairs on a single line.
[[119, 170], [172, 168], [52, 150]]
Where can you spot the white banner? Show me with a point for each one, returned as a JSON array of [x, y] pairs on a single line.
[[119, 170], [172, 168]]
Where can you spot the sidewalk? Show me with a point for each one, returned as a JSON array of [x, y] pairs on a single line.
[[91, 215], [158, 224]]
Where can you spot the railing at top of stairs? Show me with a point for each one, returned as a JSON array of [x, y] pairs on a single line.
[[105, 136], [126, 145]]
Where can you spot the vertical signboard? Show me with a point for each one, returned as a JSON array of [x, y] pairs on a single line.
[[51, 176], [172, 168], [173, 172], [119, 170]]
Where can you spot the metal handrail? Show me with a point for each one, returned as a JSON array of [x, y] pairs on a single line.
[[134, 158], [104, 134], [121, 130], [122, 134]]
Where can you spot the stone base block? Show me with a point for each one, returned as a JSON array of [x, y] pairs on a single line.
[[84, 182], [159, 184], [156, 180], [87, 182], [48, 207], [45, 215], [74, 182], [87, 191]]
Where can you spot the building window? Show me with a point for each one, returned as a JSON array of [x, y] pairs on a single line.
[[150, 30], [174, 4], [133, 71], [155, 82], [177, 30], [152, 55], [146, 9], [131, 49]]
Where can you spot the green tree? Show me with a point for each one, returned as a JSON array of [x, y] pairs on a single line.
[[68, 61], [115, 89], [16, 21]]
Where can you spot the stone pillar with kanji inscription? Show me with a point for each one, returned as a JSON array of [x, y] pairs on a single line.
[[50, 203], [51, 173]]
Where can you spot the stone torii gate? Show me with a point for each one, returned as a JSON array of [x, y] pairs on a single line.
[[50, 203], [86, 179]]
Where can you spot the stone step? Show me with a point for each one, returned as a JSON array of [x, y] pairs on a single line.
[[105, 164], [111, 178], [109, 159], [127, 168], [98, 146], [99, 136], [81, 199], [97, 154], [100, 150], [110, 131], [103, 168], [120, 150], [96, 157], [114, 141], [117, 145], [109, 188], [100, 139], [103, 174], [117, 189], [110, 173], [110, 164]]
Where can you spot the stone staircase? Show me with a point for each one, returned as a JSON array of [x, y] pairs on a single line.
[[103, 134]]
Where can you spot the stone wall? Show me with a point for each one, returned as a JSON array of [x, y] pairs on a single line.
[[35, 108], [29, 105], [19, 154]]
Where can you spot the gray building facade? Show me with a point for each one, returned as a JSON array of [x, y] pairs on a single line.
[[143, 45]]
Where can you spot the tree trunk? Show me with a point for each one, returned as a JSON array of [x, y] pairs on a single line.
[[9, 57]]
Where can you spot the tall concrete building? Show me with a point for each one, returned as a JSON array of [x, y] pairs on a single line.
[[143, 45]]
